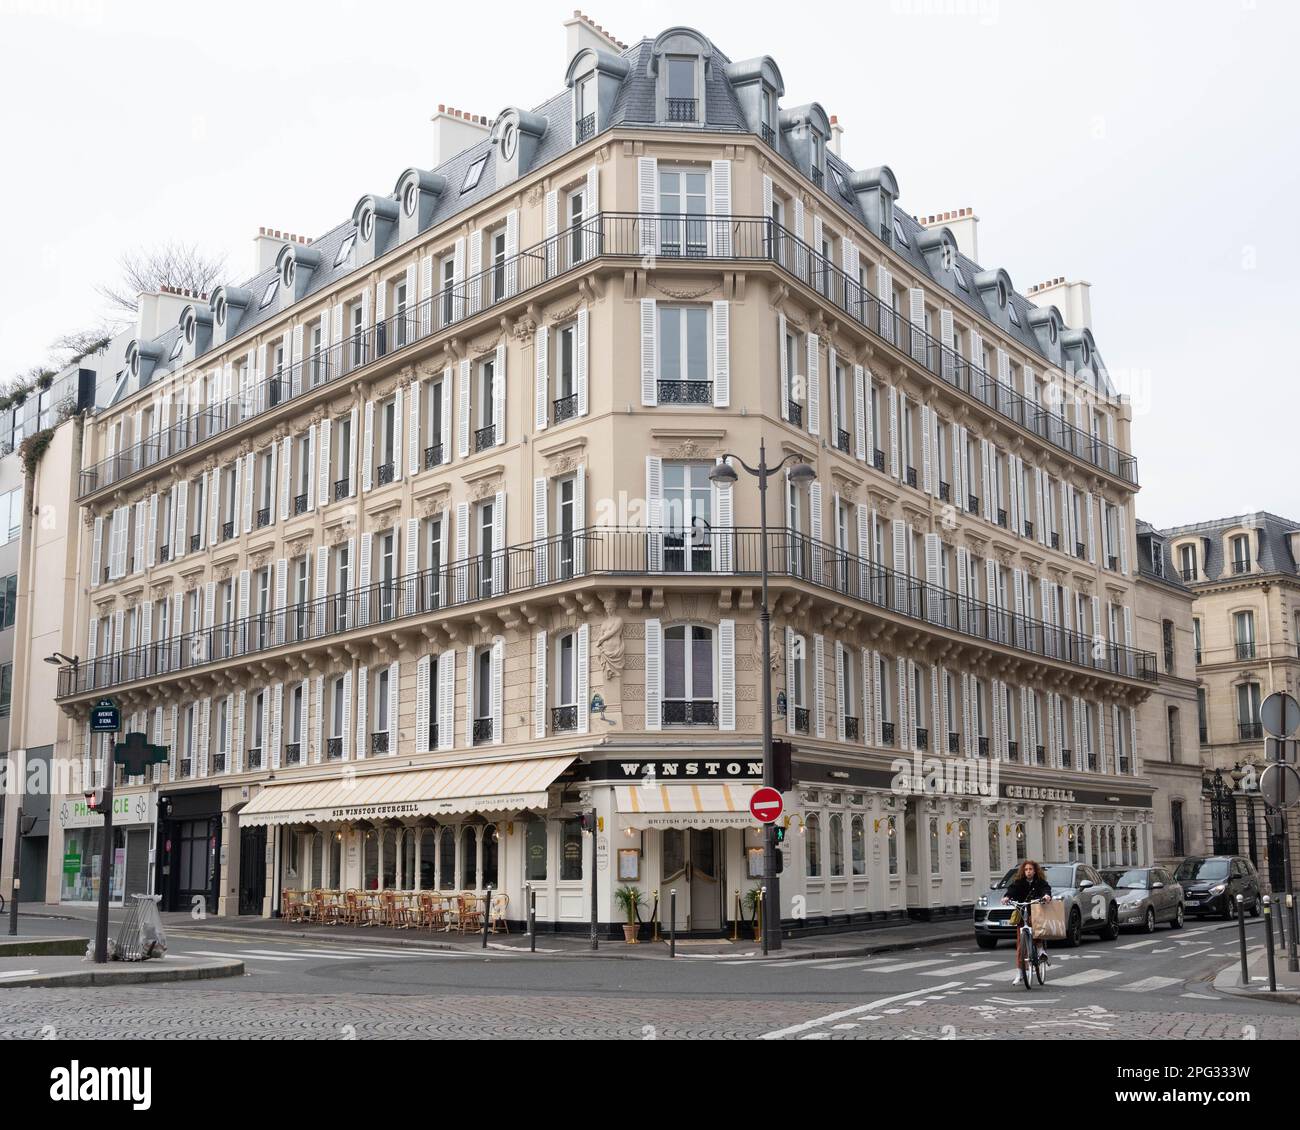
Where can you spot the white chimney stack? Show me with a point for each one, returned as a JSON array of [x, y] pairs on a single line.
[[962, 222], [1072, 299], [454, 131], [266, 246], [582, 31], [159, 310], [837, 132]]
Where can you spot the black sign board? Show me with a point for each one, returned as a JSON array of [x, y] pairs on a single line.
[[105, 717]]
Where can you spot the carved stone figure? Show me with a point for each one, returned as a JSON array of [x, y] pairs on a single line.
[[609, 645]]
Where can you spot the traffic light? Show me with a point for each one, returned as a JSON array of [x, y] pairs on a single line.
[[780, 834], [782, 779], [92, 801]]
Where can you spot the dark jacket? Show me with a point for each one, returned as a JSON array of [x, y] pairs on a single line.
[[1027, 890]]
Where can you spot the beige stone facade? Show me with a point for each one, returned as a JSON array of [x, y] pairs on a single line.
[[481, 507]]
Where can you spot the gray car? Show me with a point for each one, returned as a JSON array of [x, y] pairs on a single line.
[[1146, 896], [1090, 905]]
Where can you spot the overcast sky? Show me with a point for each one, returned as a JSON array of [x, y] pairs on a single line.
[[1150, 148]]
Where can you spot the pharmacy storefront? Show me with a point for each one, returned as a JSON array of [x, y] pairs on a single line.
[[134, 814]]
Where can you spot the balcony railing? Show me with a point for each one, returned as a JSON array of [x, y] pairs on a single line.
[[954, 742], [293, 753], [333, 748], [681, 109], [850, 728], [800, 719], [922, 738], [566, 408], [945, 492], [379, 741], [886, 733], [342, 488], [585, 129], [384, 474], [621, 552], [1241, 566], [973, 504], [1250, 731], [300, 504], [842, 440], [767, 133], [482, 731], [263, 517], [689, 712], [1013, 750], [564, 719], [1029, 528], [1189, 574], [255, 757], [432, 456], [685, 392], [218, 763], [1245, 649], [911, 476], [485, 437], [607, 235], [227, 530], [185, 767], [1067, 758], [1040, 755], [983, 746], [794, 413]]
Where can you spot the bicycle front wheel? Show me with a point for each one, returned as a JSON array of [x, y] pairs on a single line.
[[1026, 959], [1040, 968]]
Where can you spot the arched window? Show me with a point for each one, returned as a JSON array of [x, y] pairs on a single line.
[[995, 847], [891, 835], [390, 859], [446, 858], [468, 858], [837, 844], [490, 857], [858, 840], [812, 847], [370, 869], [936, 851], [963, 845]]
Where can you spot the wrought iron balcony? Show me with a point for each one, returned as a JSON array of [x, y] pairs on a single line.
[[263, 517], [850, 728], [767, 133], [1112, 563], [681, 109], [1245, 649], [689, 712], [1188, 574], [341, 489], [972, 504], [1013, 750], [1040, 755], [584, 129], [564, 719], [185, 767], [482, 731], [817, 176], [887, 733], [254, 757], [384, 474], [1093, 762], [794, 412], [300, 504], [1250, 731], [227, 530], [1080, 549], [1241, 566], [878, 459], [566, 408], [432, 456], [1029, 528], [333, 749], [1055, 540], [619, 555], [1002, 518], [685, 392], [842, 440], [983, 746], [922, 738], [293, 753], [1067, 758], [954, 742], [379, 741], [485, 437], [945, 491], [800, 719], [218, 763], [911, 476], [164, 554], [196, 540]]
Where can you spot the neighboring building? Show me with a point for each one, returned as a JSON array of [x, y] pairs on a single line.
[[1167, 721], [1242, 573], [408, 551]]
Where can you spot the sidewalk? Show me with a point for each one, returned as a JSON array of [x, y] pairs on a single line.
[[46, 971], [1288, 984], [856, 943]]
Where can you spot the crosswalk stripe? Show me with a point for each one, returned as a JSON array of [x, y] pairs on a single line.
[[259, 957], [20, 973], [842, 965], [900, 966], [1147, 984], [953, 970], [1086, 977]]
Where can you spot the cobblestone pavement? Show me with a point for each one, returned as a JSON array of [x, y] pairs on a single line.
[[178, 1012]]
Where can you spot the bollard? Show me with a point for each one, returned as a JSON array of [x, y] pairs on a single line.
[[532, 920], [762, 917], [1268, 943], [1281, 925], [672, 922], [487, 915], [1241, 934], [735, 920]]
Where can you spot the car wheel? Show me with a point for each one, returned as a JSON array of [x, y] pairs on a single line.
[[1111, 930], [1257, 907], [1177, 923], [986, 943], [1149, 923], [1073, 929]]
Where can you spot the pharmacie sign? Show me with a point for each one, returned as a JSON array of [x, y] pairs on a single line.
[[128, 808]]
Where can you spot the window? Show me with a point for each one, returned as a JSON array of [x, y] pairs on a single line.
[[567, 521], [571, 850], [963, 845], [483, 694], [688, 697], [473, 173], [836, 830], [486, 519], [1186, 561], [891, 832], [584, 107], [577, 212], [1248, 702], [683, 193], [684, 355], [1241, 554], [681, 88], [858, 845], [6, 688], [1243, 624], [485, 435], [995, 846], [535, 854], [935, 852], [566, 688], [498, 250], [8, 601], [812, 846], [687, 510], [268, 295]]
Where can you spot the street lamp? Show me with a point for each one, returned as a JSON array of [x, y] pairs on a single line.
[[724, 474]]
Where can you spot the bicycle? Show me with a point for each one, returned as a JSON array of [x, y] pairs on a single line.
[[1031, 953]]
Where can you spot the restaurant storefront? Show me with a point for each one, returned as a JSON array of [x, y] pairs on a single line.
[[83, 847]]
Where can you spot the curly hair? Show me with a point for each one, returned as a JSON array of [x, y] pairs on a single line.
[[1020, 871]]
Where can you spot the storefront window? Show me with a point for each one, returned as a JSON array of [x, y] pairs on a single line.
[[963, 845], [813, 846], [317, 859], [490, 857], [859, 845], [571, 851], [995, 847], [447, 859], [333, 870], [468, 858], [1020, 842], [370, 870], [390, 859], [428, 856], [408, 858], [891, 829], [837, 844], [934, 846], [82, 855], [535, 850]]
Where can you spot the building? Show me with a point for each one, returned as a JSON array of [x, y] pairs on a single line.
[[1242, 574], [1165, 628], [407, 546]]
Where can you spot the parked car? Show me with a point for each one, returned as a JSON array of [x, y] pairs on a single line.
[[1211, 884], [1146, 896], [1090, 905]]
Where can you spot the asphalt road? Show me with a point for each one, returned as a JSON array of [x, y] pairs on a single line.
[[1156, 986]]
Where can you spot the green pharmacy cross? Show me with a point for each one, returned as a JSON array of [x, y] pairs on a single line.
[[135, 754]]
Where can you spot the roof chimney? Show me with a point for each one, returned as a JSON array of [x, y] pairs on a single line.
[[837, 132], [267, 244], [159, 310], [962, 223], [582, 31], [454, 131], [1070, 298]]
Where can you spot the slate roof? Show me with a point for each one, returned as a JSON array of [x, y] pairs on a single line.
[[1167, 574], [1272, 549], [634, 106]]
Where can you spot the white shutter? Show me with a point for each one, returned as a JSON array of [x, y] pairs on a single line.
[[654, 489], [363, 701], [916, 312], [653, 675], [462, 411], [322, 566], [580, 519], [539, 685], [394, 731], [723, 527], [784, 362], [347, 714], [583, 680], [368, 446], [413, 452], [1123, 541], [893, 431], [902, 733], [411, 570], [986, 497], [726, 674], [859, 412], [286, 478], [447, 699], [789, 680], [445, 437], [649, 353], [815, 528], [461, 564], [281, 596], [97, 543], [322, 454], [721, 347], [499, 394], [841, 707], [350, 471], [363, 578], [499, 554], [552, 208], [422, 673], [214, 507], [864, 553], [814, 386], [591, 214], [541, 381], [540, 548], [512, 252], [137, 550], [474, 282], [927, 426], [819, 685], [869, 727], [151, 539], [722, 208], [580, 363], [647, 182]]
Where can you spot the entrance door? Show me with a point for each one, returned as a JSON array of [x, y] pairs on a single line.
[[691, 864], [192, 871], [252, 869]]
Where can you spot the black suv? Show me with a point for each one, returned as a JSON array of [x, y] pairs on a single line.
[[1211, 884]]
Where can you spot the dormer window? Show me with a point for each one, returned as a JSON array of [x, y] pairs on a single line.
[[768, 115], [1052, 332], [367, 225], [345, 249], [1002, 295], [1085, 352], [268, 295], [681, 88], [287, 271], [584, 108], [961, 278], [473, 173], [191, 328], [178, 346], [220, 312], [1015, 318], [410, 198], [509, 140]]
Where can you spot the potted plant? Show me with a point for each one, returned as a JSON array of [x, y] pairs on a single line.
[[630, 900], [753, 903]]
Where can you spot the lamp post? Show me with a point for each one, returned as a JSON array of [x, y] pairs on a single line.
[[724, 474]]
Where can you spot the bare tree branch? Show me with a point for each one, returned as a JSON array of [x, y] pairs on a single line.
[[180, 265]]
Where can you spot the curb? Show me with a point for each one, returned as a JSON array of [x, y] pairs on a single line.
[[100, 978], [1228, 981], [44, 947], [870, 950]]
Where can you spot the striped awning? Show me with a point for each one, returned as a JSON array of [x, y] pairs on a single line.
[[488, 786], [684, 806]]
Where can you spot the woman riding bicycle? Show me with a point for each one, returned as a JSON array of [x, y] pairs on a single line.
[[1029, 885]]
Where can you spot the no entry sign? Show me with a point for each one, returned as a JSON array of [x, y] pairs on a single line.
[[766, 805]]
